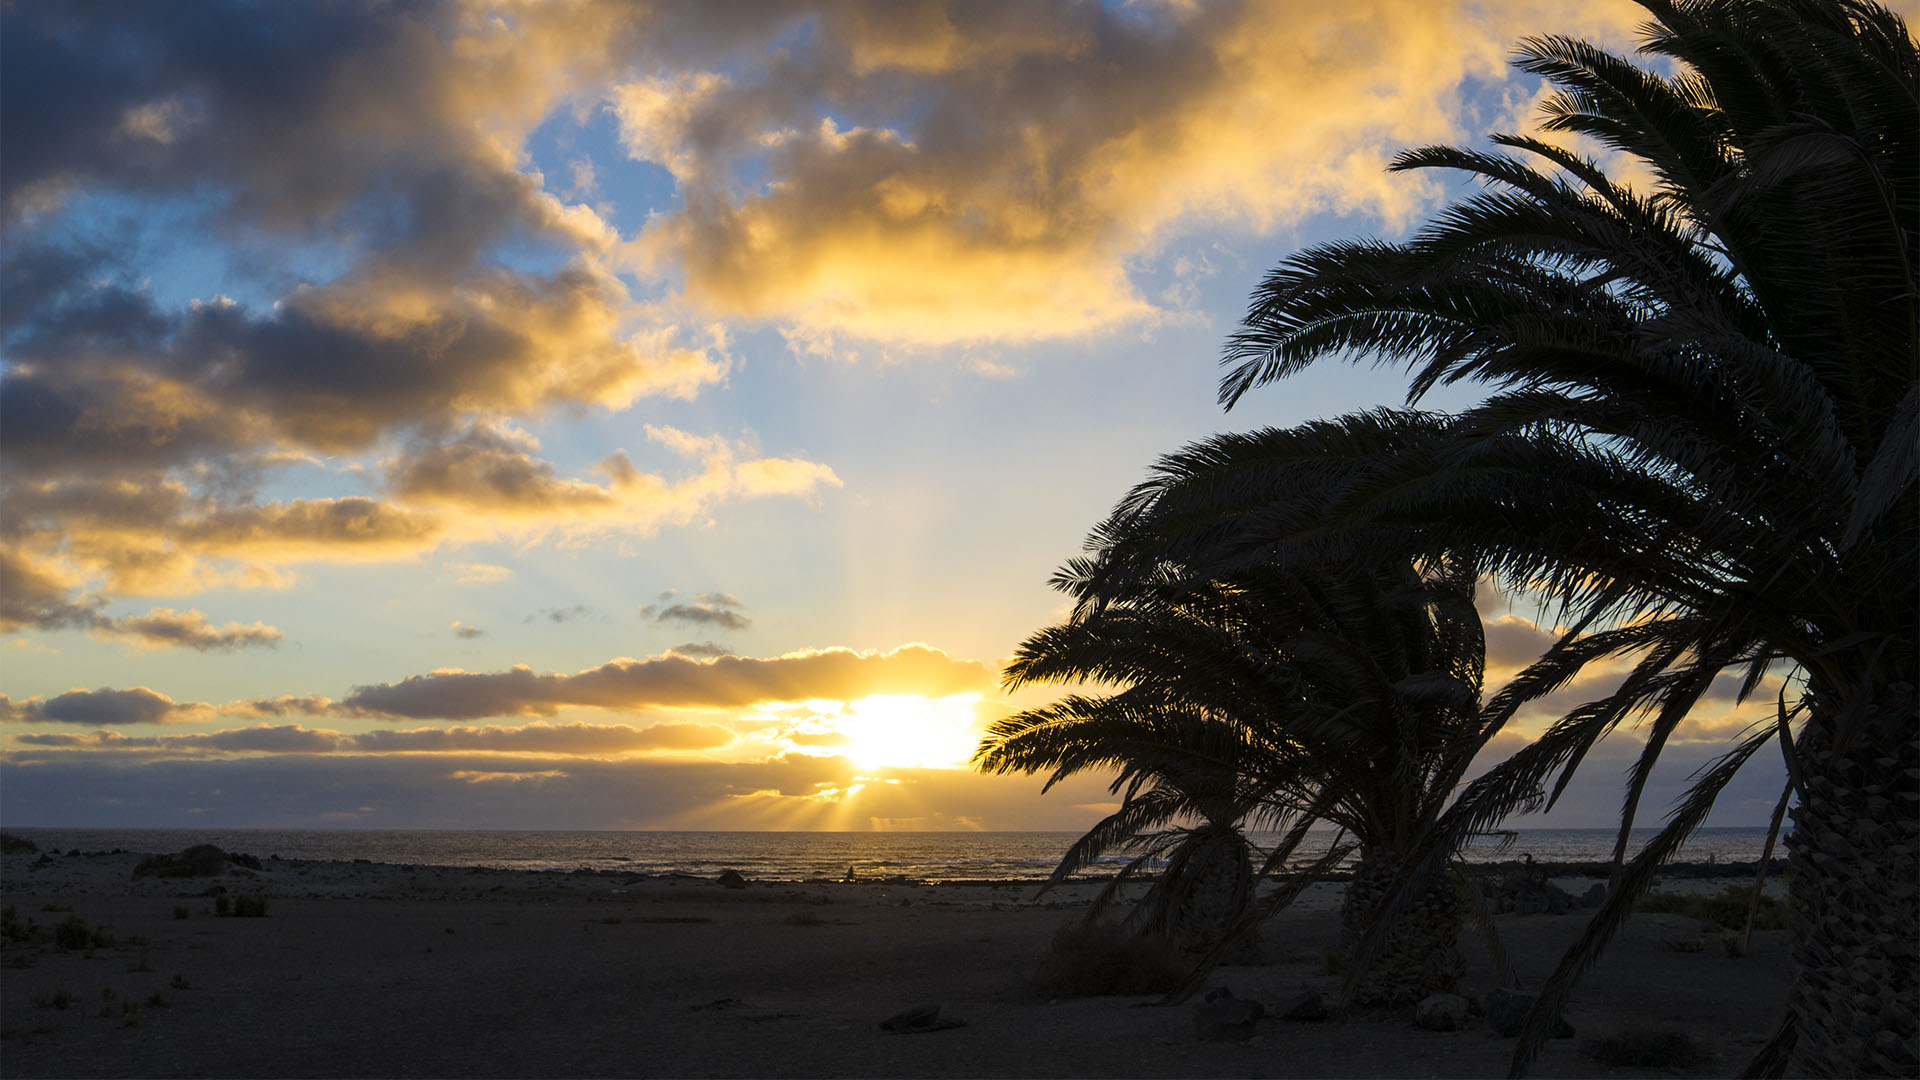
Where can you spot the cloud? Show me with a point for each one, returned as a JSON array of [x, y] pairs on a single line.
[[464, 632], [470, 573], [73, 543], [718, 610], [52, 786], [544, 738], [701, 650], [931, 173], [490, 475], [32, 598], [674, 681], [409, 282], [561, 614], [104, 707], [577, 739]]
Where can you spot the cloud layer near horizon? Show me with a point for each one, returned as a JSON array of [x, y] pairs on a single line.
[[670, 681]]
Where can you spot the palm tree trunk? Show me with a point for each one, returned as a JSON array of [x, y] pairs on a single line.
[[1854, 886], [1421, 953], [1215, 892]]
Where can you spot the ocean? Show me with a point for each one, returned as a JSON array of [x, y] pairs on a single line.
[[785, 856]]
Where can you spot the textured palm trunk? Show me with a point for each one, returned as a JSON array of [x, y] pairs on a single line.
[[1215, 892], [1854, 865], [1421, 953]]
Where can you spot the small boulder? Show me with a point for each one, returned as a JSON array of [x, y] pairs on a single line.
[[919, 1019], [200, 860], [1225, 1018], [1507, 1013], [1309, 1007], [1441, 1012], [1595, 895], [731, 879]]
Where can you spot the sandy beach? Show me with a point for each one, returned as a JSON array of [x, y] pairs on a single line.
[[374, 970]]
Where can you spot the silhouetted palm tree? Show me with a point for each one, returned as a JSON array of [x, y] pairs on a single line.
[[1702, 441], [1346, 695]]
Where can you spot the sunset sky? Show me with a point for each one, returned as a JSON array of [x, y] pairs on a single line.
[[634, 415]]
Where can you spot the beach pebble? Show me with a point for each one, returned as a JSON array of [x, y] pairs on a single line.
[[921, 1018], [1441, 1012], [1507, 1013], [1225, 1018]]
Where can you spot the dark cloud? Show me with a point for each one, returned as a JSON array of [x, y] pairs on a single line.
[[544, 738], [721, 611], [560, 614], [671, 681], [105, 707], [285, 705], [466, 633], [52, 786], [536, 738], [701, 650]]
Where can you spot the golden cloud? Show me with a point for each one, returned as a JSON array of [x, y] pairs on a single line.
[[1045, 147], [674, 680]]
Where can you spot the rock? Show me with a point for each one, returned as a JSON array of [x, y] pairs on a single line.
[[731, 879], [1441, 1012], [920, 1019], [1309, 1007], [1595, 895], [1225, 1018], [1507, 1013], [200, 860]]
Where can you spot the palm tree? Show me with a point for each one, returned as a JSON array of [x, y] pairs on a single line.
[[1280, 699], [1701, 439]]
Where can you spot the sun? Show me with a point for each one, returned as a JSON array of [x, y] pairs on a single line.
[[908, 731]]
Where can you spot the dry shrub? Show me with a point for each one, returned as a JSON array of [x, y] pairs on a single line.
[[1097, 959]]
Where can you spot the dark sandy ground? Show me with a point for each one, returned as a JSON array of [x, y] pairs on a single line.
[[364, 970]]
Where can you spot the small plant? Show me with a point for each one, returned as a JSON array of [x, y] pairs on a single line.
[[12, 927], [1085, 961], [222, 904], [1685, 944], [249, 907], [179, 982], [1645, 1048], [107, 994], [16, 845], [129, 1014], [180, 911], [1726, 909], [142, 965], [60, 998], [72, 933], [56, 907], [156, 1000]]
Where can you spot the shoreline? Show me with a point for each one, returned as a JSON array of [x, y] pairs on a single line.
[[1732, 871]]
